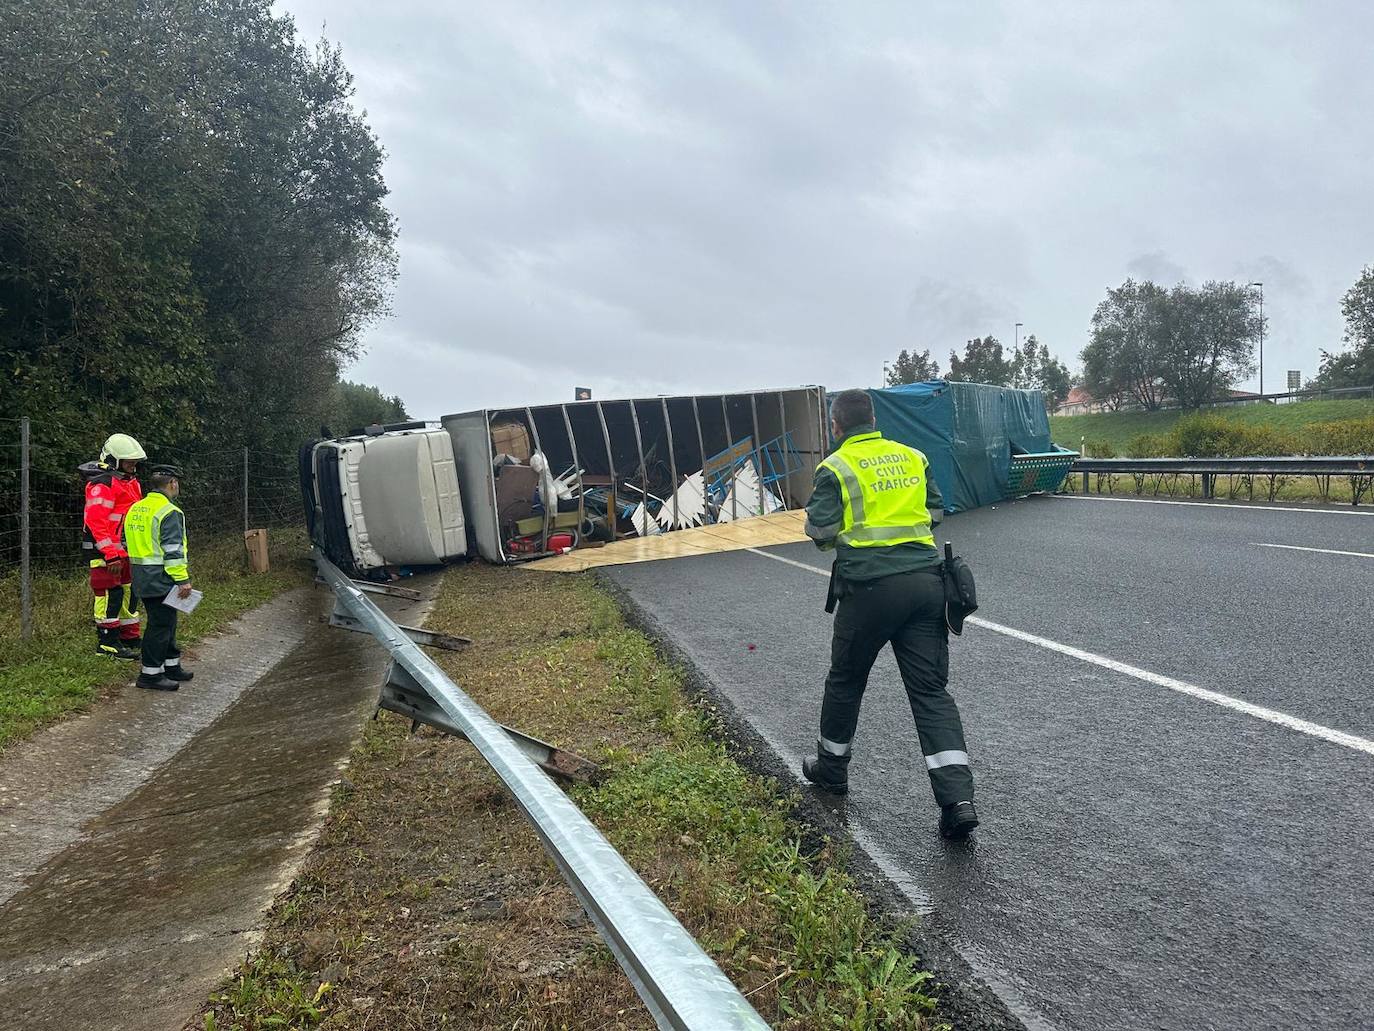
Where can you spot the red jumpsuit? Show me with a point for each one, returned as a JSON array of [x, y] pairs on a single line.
[[108, 498]]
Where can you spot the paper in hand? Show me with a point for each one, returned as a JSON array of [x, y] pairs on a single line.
[[187, 604]]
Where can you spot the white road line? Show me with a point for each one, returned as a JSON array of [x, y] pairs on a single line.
[[1282, 719], [1324, 551], [1219, 504]]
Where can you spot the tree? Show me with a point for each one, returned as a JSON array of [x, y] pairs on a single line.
[[1034, 368], [359, 405], [982, 363], [912, 368], [1353, 366], [1122, 358], [1207, 341], [192, 222]]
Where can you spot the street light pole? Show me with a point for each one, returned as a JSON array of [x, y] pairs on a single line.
[[1261, 346]]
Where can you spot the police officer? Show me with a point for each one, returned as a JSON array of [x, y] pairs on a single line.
[[875, 504], [155, 538]]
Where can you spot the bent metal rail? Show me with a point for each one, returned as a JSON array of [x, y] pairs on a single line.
[[679, 983], [1358, 467]]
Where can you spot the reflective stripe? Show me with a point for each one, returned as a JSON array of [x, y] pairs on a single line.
[[952, 757], [150, 560], [834, 747], [822, 533], [105, 542], [845, 472], [173, 662], [151, 671], [886, 533], [105, 502], [129, 622]]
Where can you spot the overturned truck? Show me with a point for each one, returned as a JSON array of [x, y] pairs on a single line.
[[511, 484]]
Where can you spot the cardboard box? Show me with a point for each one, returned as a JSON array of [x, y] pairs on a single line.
[[511, 438], [256, 543]]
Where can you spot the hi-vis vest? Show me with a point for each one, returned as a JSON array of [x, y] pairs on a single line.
[[883, 485], [143, 536]]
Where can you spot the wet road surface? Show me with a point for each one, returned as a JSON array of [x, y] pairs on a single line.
[[143, 842], [1148, 858]]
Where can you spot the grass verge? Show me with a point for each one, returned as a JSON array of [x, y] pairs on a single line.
[[1117, 430], [429, 902], [57, 672]]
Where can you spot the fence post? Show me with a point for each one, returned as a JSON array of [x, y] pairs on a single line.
[[245, 490], [25, 579]]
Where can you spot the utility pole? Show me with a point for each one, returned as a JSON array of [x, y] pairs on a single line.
[[1261, 327]]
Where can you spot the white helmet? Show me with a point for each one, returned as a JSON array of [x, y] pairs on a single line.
[[121, 448]]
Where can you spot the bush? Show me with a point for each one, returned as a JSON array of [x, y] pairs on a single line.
[[1150, 445], [1202, 435], [1098, 449], [1341, 437]]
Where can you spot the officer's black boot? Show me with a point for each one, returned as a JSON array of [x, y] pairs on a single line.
[[178, 674], [155, 682], [828, 772], [957, 821], [108, 643]]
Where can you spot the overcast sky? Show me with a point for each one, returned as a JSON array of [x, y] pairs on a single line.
[[648, 198]]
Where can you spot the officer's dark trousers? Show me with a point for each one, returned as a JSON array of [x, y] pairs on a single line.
[[906, 609], [160, 637]]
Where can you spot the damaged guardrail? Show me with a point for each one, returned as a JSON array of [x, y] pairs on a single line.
[[678, 982]]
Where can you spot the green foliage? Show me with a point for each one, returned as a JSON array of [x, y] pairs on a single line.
[[270, 992], [1119, 428], [1034, 368], [1342, 437], [358, 405], [58, 671], [1354, 366], [1187, 345], [912, 368], [1149, 445], [982, 362], [844, 971], [189, 204], [1204, 435]]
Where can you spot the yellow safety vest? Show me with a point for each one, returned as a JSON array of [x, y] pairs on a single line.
[[883, 485], [143, 536]]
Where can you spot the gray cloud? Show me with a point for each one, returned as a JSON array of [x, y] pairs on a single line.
[[650, 198]]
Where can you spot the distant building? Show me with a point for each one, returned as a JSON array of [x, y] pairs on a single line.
[[1079, 402]]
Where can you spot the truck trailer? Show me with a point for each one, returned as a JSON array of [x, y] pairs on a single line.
[[512, 484]]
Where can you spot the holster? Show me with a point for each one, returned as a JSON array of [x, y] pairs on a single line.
[[832, 593]]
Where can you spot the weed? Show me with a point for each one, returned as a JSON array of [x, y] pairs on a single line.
[[58, 671]]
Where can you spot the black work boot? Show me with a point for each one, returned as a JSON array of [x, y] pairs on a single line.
[[828, 772], [155, 682], [178, 674], [957, 821], [108, 643]]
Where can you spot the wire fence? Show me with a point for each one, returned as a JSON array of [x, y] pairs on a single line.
[[42, 498]]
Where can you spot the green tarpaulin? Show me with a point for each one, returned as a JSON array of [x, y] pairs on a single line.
[[969, 431]]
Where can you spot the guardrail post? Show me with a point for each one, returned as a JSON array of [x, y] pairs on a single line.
[[25, 574], [1207, 485]]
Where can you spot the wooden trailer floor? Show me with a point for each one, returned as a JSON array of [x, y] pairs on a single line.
[[757, 532]]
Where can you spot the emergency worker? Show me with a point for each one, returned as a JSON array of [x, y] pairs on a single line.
[[875, 505], [112, 487], [155, 536]]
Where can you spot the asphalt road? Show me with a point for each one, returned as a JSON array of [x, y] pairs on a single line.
[[1148, 858]]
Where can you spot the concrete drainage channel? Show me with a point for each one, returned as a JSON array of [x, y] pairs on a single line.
[[679, 983]]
